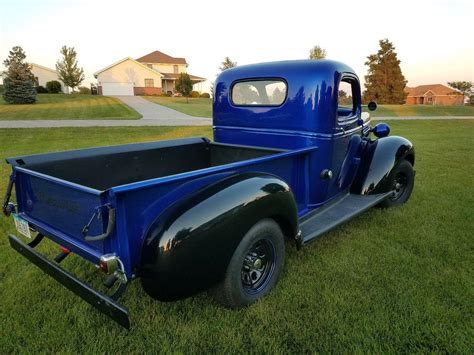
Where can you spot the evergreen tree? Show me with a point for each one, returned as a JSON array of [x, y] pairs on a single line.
[[227, 63], [184, 85], [18, 79], [384, 81], [68, 71], [317, 53]]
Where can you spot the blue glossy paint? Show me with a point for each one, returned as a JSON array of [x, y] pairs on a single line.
[[309, 117]]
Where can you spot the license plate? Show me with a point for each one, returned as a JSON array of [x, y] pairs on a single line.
[[22, 226]]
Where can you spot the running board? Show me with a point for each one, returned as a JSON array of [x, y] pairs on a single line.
[[316, 223]]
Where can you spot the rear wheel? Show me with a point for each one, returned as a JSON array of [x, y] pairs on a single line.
[[401, 179], [254, 268]]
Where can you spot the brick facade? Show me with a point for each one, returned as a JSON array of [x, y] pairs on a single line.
[[150, 91], [435, 94]]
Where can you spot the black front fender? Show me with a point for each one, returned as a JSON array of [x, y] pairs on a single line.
[[378, 160], [187, 248]]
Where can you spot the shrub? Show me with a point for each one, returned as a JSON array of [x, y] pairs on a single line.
[[194, 94], [205, 95], [41, 90], [19, 91], [53, 86], [84, 90], [2, 89]]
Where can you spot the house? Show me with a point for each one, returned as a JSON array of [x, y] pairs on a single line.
[[43, 75], [435, 94], [152, 74]]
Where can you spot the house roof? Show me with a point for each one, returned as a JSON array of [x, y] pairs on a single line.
[[123, 60], [436, 89], [43, 67], [160, 57], [173, 76]]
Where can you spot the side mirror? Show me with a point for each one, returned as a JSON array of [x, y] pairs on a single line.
[[372, 106], [381, 130]]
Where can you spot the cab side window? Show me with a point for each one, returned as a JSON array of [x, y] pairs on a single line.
[[346, 105]]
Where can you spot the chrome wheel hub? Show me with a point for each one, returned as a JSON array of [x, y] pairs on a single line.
[[257, 266]]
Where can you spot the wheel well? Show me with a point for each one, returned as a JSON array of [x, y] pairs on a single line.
[[411, 159], [285, 225]]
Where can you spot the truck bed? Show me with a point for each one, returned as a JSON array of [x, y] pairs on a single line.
[[58, 194], [103, 168]]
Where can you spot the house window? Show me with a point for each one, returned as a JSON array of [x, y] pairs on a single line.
[[175, 69], [150, 66], [36, 81], [149, 83]]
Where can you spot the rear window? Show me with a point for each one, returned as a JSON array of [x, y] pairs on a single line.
[[259, 93]]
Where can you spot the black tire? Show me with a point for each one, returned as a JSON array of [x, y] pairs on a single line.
[[401, 181], [254, 268]]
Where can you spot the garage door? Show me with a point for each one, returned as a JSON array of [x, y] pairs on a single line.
[[110, 89]]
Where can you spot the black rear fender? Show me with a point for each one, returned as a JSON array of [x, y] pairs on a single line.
[[187, 248], [378, 160]]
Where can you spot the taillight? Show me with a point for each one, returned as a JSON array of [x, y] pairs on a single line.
[[109, 263]]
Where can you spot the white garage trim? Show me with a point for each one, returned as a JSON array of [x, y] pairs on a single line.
[[111, 89]]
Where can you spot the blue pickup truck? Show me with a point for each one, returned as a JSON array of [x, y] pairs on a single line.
[[292, 157]]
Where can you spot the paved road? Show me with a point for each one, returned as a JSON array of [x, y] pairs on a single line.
[[152, 115], [157, 115]]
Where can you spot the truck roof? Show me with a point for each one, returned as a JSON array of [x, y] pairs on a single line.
[[324, 68], [311, 96]]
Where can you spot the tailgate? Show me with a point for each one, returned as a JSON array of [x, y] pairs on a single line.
[[61, 210]]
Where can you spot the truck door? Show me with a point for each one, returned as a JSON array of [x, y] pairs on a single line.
[[346, 136]]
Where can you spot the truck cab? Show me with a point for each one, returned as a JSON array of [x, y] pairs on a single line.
[[293, 105]]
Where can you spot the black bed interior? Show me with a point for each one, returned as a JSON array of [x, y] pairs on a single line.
[[104, 171]]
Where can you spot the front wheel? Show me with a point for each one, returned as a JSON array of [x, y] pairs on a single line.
[[401, 179], [254, 268]]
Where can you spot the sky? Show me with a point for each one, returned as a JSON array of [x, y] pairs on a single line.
[[433, 39]]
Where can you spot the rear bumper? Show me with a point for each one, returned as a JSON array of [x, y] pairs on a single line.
[[100, 301]]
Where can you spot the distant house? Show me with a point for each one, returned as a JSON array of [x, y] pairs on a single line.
[[435, 94], [152, 74], [43, 75]]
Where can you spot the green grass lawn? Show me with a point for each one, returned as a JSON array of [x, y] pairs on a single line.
[[390, 281], [422, 110], [65, 107], [199, 107]]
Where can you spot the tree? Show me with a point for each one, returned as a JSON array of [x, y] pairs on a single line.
[[317, 53], [466, 87], [384, 81], [184, 85], [344, 99], [278, 96], [18, 80], [68, 71], [227, 63], [53, 86]]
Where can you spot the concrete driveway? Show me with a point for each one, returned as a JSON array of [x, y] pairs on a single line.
[[152, 111], [152, 115]]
